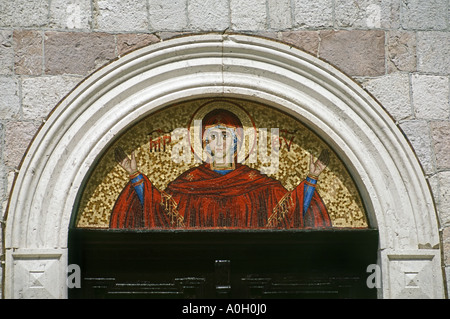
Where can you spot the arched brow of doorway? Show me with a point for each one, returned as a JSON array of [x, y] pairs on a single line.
[[378, 157]]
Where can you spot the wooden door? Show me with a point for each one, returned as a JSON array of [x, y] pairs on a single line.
[[223, 264]]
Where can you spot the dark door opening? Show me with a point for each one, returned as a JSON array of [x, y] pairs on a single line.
[[223, 264]]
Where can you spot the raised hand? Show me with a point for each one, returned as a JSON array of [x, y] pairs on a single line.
[[317, 167], [128, 164]]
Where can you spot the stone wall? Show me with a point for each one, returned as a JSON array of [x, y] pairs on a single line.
[[398, 50]]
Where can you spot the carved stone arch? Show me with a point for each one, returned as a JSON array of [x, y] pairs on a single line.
[[380, 160]]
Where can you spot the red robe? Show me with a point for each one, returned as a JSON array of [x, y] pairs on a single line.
[[202, 198]]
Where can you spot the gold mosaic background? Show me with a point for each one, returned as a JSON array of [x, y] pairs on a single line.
[[108, 179]]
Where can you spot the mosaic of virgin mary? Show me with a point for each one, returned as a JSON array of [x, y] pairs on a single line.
[[221, 192]]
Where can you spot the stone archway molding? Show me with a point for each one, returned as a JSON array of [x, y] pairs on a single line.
[[82, 126]]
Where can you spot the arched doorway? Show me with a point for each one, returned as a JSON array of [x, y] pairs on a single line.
[[382, 165], [241, 231]]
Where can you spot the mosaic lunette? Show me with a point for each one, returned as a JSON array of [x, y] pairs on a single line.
[[296, 143]]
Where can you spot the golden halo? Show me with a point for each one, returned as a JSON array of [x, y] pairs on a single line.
[[248, 125]]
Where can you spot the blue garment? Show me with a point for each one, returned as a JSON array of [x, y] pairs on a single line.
[[138, 184], [223, 172], [308, 193]]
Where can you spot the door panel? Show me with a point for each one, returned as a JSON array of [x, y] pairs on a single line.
[[223, 264]]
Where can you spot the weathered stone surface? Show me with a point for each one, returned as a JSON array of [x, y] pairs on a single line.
[[23, 13], [304, 40], [401, 47], [128, 42], [447, 276], [373, 14], [443, 200], [267, 34], [76, 52], [433, 183], [4, 204], [446, 246], [357, 53], [208, 15], [9, 98], [167, 35], [167, 15], [3, 180], [430, 96], [280, 17], [2, 168], [124, 15], [70, 14], [418, 133], [6, 52], [392, 91], [313, 14], [424, 15], [41, 94], [433, 52], [440, 133], [11, 175], [248, 15], [18, 136], [28, 52]]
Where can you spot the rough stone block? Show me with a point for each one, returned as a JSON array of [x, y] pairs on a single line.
[[433, 183], [9, 98], [430, 96], [373, 14], [28, 52], [424, 15], [447, 272], [392, 91], [418, 133], [305, 40], [357, 53], [76, 52], [443, 201], [168, 15], [18, 135], [128, 42], [70, 14], [401, 47], [208, 15], [280, 17], [6, 52], [124, 15], [24, 13], [433, 52], [440, 133], [248, 15], [41, 94], [3, 212], [446, 245], [11, 176], [313, 14], [3, 179]]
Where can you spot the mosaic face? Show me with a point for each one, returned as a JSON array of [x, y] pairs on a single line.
[[220, 164], [220, 144]]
